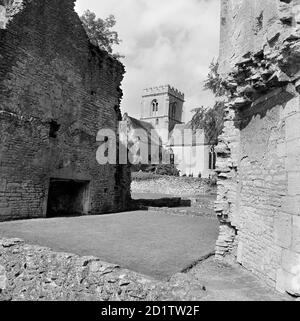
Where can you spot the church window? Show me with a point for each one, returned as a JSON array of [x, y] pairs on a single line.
[[154, 105], [157, 122], [173, 111], [212, 159], [172, 159]]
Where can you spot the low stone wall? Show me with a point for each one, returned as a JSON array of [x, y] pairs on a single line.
[[172, 185], [30, 273]]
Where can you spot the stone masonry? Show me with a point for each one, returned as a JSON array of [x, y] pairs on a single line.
[[57, 91], [259, 152], [35, 273], [172, 185]]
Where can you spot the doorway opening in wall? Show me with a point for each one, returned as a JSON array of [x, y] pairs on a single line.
[[67, 197]]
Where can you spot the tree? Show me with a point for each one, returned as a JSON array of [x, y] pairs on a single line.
[[100, 32], [211, 120], [214, 81]]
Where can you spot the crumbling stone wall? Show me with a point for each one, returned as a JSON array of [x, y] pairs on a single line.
[[29, 272], [56, 92], [172, 185], [258, 153], [35, 273]]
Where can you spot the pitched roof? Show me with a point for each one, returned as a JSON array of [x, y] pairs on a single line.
[[135, 124]]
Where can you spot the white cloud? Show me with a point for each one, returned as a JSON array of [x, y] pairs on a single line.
[[165, 42]]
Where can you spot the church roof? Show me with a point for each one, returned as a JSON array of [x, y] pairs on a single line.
[[135, 124]]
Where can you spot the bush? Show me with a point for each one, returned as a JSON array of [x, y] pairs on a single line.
[[169, 170], [143, 176], [213, 180]]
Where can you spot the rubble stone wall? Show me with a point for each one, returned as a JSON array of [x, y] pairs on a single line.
[[57, 91], [35, 273], [258, 153], [29, 272], [172, 185]]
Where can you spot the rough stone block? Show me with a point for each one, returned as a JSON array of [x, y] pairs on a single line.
[[292, 107], [287, 282], [291, 261], [296, 234], [291, 204], [7, 211], [281, 149], [285, 11], [280, 280], [240, 252], [292, 127], [3, 19], [283, 230], [294, 183], [293, 155], [3, 184], [3, 278]]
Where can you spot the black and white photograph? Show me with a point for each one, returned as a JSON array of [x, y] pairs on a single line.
[[149, 153]]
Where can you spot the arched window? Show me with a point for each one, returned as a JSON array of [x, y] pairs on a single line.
[[172, 157], [173, 109], [157, 122], [212, 158], [154, 105]]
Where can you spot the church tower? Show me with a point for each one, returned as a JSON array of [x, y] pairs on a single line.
[[163, 108]]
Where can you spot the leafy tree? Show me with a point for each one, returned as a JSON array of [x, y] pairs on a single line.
[[100, 32], [214, 81], [211, 120]]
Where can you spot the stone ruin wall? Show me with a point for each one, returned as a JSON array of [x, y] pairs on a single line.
[[259, 152], [173, 186], [51, 74], [35, 273]]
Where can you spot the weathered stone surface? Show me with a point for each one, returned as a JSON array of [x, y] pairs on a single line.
[[3, 278], [291, 262], [56, 92], [259, 64], [288, 277], [171, 185], [29, 272], [296, 234], [283, 230]]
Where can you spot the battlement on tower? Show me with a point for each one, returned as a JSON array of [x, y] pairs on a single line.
[[165, 89]]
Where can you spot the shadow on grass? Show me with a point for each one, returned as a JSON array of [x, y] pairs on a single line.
[[171, 202], [136, 205]]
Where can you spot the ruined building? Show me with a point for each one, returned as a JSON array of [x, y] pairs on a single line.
[[57, 91], [259, 152]]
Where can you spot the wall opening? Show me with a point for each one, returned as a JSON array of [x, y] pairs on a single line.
[[54, 128], [67, 198]]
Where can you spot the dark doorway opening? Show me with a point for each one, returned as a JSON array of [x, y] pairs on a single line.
[[67, 198]]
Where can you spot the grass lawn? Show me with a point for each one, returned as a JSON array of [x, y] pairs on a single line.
[[153, 244]]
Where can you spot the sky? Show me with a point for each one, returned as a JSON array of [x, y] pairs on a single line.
[[164, 42]]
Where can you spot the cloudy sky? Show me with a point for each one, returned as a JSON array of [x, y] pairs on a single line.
[[165, 42]]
